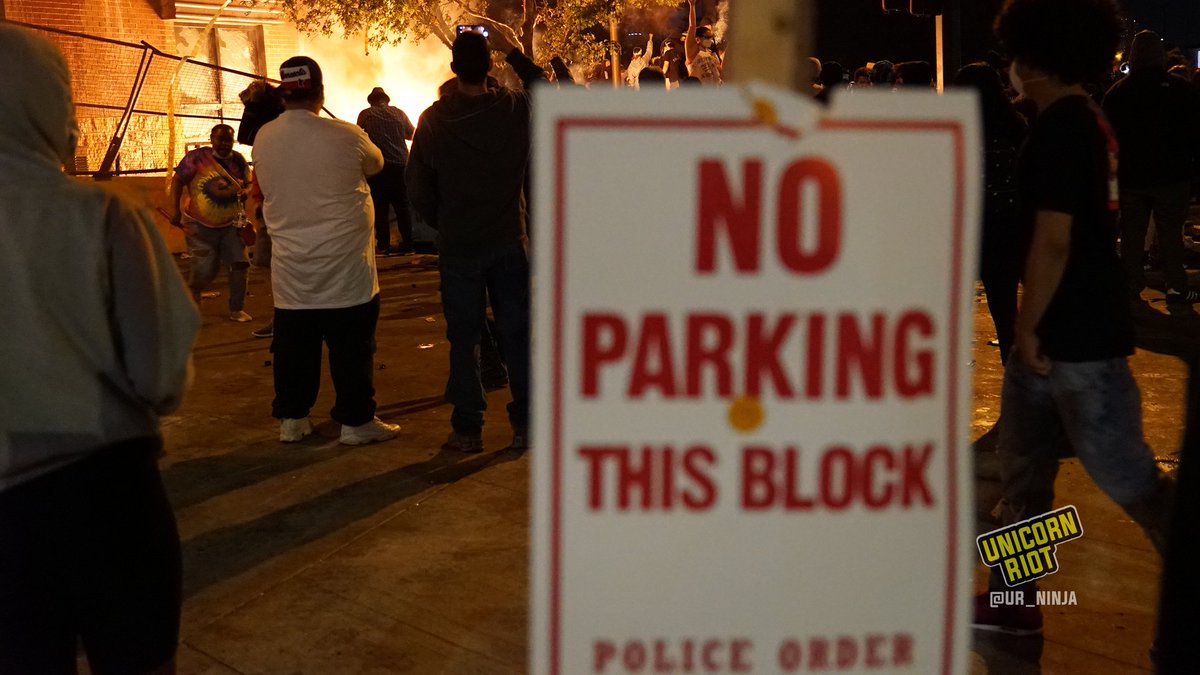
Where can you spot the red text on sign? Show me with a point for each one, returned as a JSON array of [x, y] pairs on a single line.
[[787, 355], [688, 655], [870, 652], [650, 478], [879, 478], [734, 216]]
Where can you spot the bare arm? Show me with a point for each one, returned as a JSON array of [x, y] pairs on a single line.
[[691, 46], [1043, 273], [176, 193]]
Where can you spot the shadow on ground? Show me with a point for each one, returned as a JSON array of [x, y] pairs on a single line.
[[226, 552]]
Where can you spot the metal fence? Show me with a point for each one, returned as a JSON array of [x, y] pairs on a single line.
[[125, 94]]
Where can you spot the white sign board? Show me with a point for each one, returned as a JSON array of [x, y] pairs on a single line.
[[752, 382]]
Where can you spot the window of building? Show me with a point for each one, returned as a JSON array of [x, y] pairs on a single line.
[[236, 47]]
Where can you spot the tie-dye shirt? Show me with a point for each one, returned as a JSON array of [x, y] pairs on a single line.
[[212, 198]]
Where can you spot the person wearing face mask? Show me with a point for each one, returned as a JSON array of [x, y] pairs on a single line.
[[213, 179], [703, 63], [1067, 381]]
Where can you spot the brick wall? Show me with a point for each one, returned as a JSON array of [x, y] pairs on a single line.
[[279, 44], [103, 74], [128, 20]]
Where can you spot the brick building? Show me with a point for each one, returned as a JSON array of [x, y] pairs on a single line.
[[103, 42]]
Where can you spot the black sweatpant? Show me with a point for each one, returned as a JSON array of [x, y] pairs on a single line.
[[349, 333], [90, 552]]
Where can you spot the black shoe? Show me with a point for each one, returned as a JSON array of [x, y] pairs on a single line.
[[264, 332], [471, 443], [1189, 297], [520, 439], [1007, 619]]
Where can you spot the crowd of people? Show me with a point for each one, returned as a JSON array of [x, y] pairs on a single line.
[[106, 339], [107, 349]]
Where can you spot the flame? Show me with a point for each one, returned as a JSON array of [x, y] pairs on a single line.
[[410, 73]]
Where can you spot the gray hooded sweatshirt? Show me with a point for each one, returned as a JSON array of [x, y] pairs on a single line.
[[98, 327]]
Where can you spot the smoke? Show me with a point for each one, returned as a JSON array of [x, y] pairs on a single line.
[[673, 21], [410, 73], [722, 25]]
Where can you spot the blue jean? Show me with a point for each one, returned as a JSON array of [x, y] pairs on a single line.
[[1096, 408], [214, 247], [468, 284]]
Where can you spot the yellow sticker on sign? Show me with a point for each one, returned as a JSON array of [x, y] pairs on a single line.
[[1024, 551]]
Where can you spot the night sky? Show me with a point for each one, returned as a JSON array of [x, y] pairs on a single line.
[[1177, 21], [853, 32]]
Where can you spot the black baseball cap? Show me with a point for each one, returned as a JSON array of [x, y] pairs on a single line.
[[300, 76]]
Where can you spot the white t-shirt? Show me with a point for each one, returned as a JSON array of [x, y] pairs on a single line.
[[706, 67], [317, 208]]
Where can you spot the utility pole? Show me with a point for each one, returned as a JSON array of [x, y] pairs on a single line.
[[614, 51], [770, 41]]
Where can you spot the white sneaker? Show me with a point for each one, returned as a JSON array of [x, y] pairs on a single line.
[[240, 316], [372, 432], [291, 431]]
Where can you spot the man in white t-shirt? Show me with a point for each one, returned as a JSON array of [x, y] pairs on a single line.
[[317, 206]]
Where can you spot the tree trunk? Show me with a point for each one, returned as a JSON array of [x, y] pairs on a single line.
[[527, 21]]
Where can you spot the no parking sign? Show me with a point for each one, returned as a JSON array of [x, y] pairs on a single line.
[[752, 390]]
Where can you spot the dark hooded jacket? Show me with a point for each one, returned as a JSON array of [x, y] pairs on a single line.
[[467, 168], [1154, 115]]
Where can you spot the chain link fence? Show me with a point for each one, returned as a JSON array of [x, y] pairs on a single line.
[[127, 118]]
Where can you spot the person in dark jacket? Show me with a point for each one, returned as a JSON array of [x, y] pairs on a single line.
[[1000, 256], [466, 178], [1154, 116]]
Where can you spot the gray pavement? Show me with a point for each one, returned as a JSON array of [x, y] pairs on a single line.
[[402, 558]]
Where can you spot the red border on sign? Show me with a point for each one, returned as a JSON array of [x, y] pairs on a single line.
[[560, 142]]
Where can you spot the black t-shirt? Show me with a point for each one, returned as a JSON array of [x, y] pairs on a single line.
[[1069, 165]]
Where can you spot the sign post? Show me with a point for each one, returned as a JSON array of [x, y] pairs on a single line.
[[752, 337], [780, 32]]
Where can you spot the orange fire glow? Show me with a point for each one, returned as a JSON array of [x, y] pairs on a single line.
[[409, 73]]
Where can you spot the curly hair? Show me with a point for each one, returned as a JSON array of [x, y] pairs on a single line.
[[1073, 40]]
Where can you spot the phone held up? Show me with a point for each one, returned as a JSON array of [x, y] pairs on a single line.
[[476, 28]]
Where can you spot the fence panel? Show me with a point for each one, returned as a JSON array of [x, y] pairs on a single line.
[[204, 95]]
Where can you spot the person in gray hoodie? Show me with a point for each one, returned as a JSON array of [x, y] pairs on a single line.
[[96, 345], [466, 178]]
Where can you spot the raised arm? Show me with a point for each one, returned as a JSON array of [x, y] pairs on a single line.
[[691, 46], [504, 40]]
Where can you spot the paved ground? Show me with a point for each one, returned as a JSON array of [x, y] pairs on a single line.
[[401, 558]]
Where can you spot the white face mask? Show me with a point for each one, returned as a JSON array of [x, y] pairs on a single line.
[[707, 43], [1017, 83]]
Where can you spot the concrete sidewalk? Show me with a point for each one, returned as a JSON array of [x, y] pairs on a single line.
[[401, 558]]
